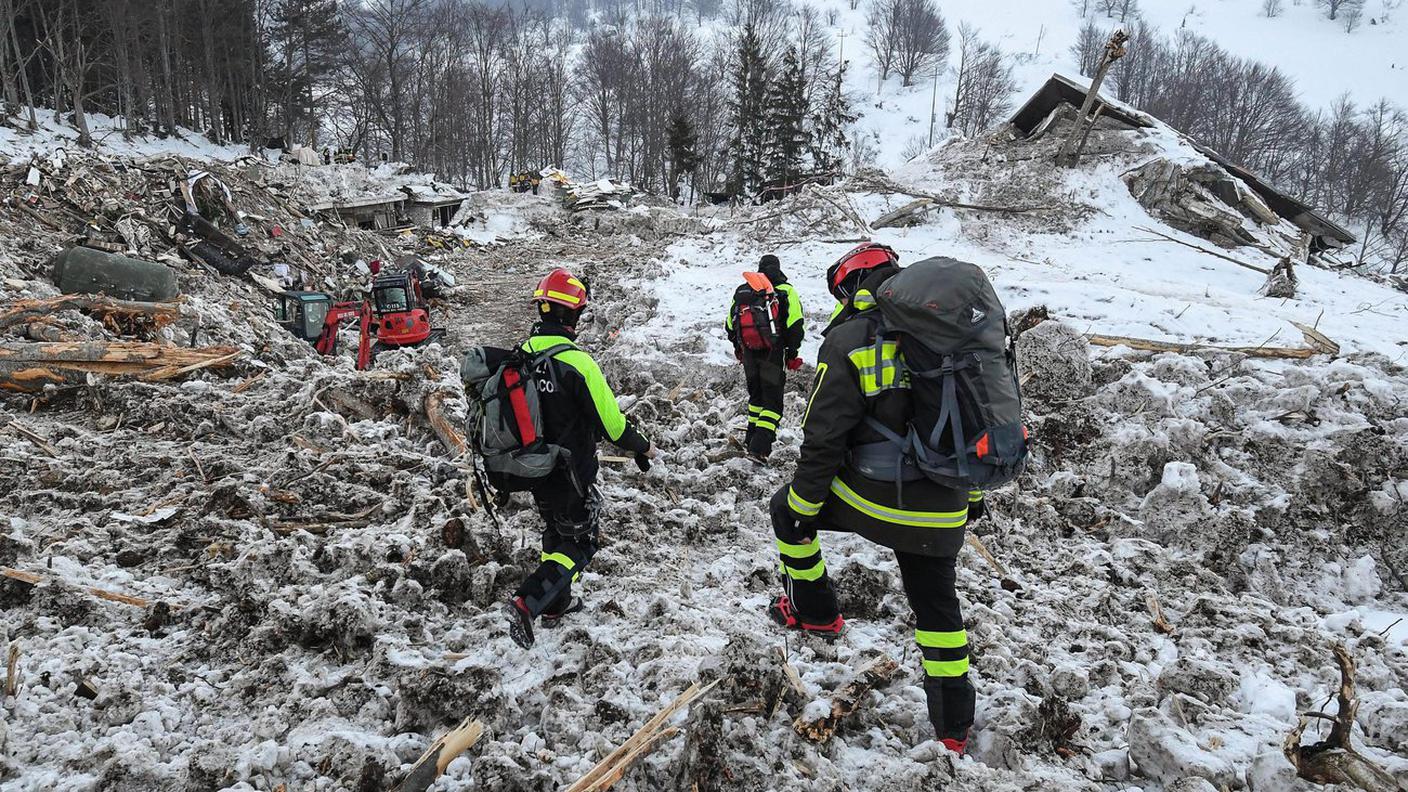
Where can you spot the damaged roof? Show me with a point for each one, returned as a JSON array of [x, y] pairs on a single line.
[[1060, 89]]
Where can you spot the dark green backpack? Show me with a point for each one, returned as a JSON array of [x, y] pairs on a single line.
[[966, 430]]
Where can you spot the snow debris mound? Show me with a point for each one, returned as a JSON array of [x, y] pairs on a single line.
[[1054, 364], [1168, 753]]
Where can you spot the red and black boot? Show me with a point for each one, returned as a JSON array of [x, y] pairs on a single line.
[[520, 622], [956, 742], [780, 611]]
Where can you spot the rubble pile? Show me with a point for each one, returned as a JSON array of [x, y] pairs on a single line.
[[279, 573]]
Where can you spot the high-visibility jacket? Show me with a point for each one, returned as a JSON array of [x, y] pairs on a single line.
[[854, 385], [579, 408]]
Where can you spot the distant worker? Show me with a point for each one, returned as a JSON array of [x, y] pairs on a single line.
[[914, 365], [764, 324], [546, 406], [513, 182]]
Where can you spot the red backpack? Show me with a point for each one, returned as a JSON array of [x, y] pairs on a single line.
[[755, 313]]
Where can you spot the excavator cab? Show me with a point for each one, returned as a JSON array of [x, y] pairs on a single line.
[[401, 315], [303, 313]]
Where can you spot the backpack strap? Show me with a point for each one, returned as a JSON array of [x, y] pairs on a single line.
[[518, 402]]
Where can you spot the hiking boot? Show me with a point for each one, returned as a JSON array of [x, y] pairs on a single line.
[[956, 742], [551, 620], [780, 610], [520, 622]]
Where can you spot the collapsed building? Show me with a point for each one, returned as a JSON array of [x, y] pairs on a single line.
[[1216, 199]]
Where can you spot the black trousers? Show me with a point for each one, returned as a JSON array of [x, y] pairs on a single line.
[[930, 583], [570, 536], [765, 375]]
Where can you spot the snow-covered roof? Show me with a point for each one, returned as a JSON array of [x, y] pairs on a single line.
[[358, 202], [1062, 89], [433, 193]]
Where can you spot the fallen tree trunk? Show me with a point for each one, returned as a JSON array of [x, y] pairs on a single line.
[[28, 367], [1201, 249], [848, 699], [431, 764], [129, 317], [450, 437], [1334, 760], [1147, 345]]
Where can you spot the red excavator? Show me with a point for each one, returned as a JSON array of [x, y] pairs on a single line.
[[397, 313]]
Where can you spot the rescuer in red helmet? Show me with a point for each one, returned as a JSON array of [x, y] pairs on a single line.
[[575, 409]]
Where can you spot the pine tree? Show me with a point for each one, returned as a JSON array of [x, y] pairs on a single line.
[[683, 147], [309, 40], [831, 120], [787, 138], [749, 112]]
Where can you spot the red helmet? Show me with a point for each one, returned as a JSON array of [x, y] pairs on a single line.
[[865, 256], [561, 288]]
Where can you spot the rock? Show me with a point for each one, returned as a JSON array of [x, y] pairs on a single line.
[[1272, 772], [1176, 506], [1054, 363], [1199, 679], [1167, 753], [1191, 784]]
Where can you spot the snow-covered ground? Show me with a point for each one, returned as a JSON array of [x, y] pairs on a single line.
[[56, 136]]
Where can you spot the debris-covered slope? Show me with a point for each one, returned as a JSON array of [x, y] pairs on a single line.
[[309, 596]]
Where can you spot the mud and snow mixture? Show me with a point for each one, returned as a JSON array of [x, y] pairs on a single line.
[[319, 599]]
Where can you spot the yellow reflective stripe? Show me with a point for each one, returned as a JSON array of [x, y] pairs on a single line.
[[946, 668], [820, 373], [836, 311], [801, 505], [794, 304], [769, 414], [812, 573], [766, 424], [566, 561], [754, 410], [915, 519], [799, 551], [864, 300], [941, 640], [572, 298], [974, 496], [876, 375]]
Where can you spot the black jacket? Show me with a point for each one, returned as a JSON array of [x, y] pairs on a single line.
[[579, 408], [853, 386], [789, 310]]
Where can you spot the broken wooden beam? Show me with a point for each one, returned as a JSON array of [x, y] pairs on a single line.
[[1149, 345], [431, 764], [449, 436], [34, 579], [27, 367], [611, 769], [847, 700], [1201, 249], [129, 317], [12, 670]]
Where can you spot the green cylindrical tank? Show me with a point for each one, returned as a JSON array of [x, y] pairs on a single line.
[[82, 270]]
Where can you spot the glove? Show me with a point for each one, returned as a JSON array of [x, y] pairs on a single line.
[[643, 462], [794, 364], [976, 510], [785, 524]]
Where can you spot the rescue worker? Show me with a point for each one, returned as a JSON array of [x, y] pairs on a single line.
[[925, 530], [764, 351], [578, 410]]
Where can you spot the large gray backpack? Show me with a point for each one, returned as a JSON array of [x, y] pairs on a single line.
[[506, 416], [966, 429]]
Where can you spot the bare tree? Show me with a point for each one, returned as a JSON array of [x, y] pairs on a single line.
[[921, 38], [984, 86], [1271, 8], [1336, 7], [881, 32]]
